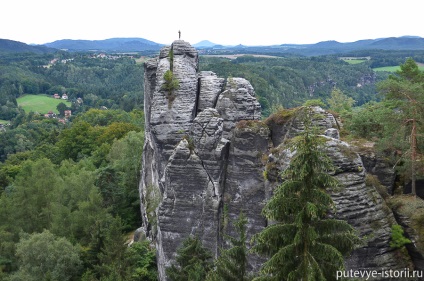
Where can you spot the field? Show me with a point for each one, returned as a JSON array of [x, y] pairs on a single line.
[[387, 68], [354, 61], [232, 57], [40, 103], [396, 68]]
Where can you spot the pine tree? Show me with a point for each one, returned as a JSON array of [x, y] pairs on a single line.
[[304, 242], [231, 265], [406, 89], [193, 261]]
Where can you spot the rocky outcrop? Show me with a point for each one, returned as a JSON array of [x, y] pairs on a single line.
[[380, 167], [364, 208], [205, 155], [409, 213], [356, 202]]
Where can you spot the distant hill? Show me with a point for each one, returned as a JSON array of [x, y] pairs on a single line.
[[391, 43], [404, 43], [107, 45], [207, 47], [204, 44], [326, 47], [10, 46]]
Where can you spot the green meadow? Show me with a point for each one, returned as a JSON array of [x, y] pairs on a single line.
[[355, 61], [395, 68], [387, 68], [40, 103]]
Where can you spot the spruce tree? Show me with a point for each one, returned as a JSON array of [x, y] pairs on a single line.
[[303, 242], [231, 265], [193, 261]]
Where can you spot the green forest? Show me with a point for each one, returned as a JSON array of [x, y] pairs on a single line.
[[72, 187]]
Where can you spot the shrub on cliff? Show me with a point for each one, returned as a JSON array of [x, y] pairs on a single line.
[[398, 240], [171, 84]]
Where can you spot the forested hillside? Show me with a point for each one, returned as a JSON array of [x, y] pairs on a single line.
[[114, 81], [292, 81], [120, 45], [10, 46], [73, 188], [99, 80]]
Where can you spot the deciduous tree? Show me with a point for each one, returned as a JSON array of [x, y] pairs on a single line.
[[339, 102], [44, 257]]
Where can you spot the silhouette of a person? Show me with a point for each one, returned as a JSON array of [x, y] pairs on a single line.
[[179, 34]]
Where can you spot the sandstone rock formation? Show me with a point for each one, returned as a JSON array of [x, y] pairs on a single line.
[[380, 167], [205, 155], [187, 151]]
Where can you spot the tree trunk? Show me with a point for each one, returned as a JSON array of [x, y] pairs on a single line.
[[413, 155]]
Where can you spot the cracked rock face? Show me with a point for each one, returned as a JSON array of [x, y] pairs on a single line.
[[189, 205], [364, 208], [187, 149], [237, 102], [210, 87], [203, 163]]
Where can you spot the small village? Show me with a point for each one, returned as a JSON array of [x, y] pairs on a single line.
[[67, 113]]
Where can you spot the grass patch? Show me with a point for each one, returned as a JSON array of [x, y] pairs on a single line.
[[255, 125], [4, 122], [387, 68], [282, 116], [394, 68], [354, 61], [40, 103]]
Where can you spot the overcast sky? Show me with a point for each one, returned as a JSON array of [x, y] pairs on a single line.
[[227, 22]]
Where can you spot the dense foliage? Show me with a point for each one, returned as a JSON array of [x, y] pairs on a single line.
[[76, 186], [43, 256]]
